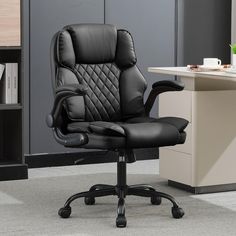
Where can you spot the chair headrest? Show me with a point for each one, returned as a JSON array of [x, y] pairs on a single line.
[[94, 44]]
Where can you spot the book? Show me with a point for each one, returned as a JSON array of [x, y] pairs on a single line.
[[6, 84], [2, 67], [9, 84], [14, 83]]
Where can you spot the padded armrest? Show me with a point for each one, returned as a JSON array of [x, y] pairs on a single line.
[[107, 128], [172, 84], [79, 89], [161, 87], [70, 140], [62, 93]]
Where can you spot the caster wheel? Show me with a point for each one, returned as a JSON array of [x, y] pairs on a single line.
[[177, 212], [64, 212], [89, 200], [155, 200], [121, 221]]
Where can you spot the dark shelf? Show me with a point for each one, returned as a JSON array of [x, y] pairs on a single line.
[[13, 171], [10, 47], [10, 107], [12, 164], [4, 163]]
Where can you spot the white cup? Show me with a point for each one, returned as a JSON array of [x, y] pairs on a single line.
[[211, 62]]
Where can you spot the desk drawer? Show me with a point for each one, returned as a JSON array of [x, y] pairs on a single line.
[[177, 104], [176, 166]]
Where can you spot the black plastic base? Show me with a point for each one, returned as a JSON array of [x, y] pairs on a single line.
[[106, 190], [121, 190]]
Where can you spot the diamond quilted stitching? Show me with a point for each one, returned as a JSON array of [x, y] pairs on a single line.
[[103, 99]]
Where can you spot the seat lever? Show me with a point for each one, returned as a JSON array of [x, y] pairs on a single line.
[[130, 155], [78, 161]]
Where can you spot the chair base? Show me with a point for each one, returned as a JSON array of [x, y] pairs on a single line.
[[121, 190]]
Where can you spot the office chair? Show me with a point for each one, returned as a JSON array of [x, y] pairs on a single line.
[[99, 105]]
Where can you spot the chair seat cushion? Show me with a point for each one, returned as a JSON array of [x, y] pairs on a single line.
[[78, 127], [97, 127], [135, 135], [142, 135], [179, 123]]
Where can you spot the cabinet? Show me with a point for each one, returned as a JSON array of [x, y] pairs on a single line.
[[206, 161], [178, 104], [11, 115]]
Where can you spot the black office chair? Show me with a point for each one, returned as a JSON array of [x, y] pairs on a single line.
[[99, 104]]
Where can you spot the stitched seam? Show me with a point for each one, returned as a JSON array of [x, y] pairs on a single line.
[[97, 95], [107, 78], [117, 87], [93, 92], [90, 97], [81, 74], [93, 107], [99, 104], [103, 84], [114, 99], [102, 93], [88, 73]]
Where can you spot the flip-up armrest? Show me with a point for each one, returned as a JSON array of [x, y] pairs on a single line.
[[62, 93], [70, 140], [79, 89], [161, 87], [170, 85]]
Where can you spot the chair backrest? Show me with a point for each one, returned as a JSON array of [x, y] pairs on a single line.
[[104, 59]]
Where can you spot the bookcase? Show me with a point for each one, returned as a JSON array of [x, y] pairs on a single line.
[[12, 164]]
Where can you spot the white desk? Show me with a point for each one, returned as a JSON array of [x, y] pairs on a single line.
[[207, 160]]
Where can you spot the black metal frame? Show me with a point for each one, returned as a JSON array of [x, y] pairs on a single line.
[[121, 190]]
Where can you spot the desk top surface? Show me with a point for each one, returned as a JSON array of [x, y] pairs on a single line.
[[184, 72]]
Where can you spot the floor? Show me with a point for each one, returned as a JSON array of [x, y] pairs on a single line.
[[139, 167], [150, 167], [29, 207]]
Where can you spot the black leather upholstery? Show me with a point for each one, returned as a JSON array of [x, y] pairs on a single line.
[[161, 87], [99, 104], [137, 132], [179, 123], [102, 59], [93, 43], [78, 127], [176, 85], [154, 134], [107, 128], [132, 88], [102, 101], [125, 54]]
